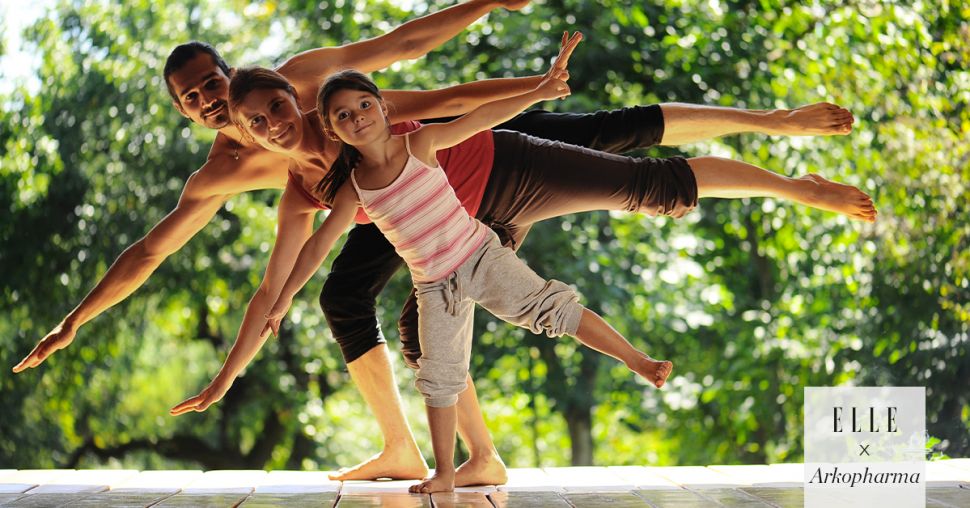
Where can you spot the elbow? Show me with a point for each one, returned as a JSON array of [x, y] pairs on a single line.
[[410, 48], [152, 250], [147, 251], [455, 107], [265, 294]]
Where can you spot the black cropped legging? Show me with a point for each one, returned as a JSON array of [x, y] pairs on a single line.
[[532, 179]]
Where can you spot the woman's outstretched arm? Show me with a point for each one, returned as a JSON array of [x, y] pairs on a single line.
[[295, 226]]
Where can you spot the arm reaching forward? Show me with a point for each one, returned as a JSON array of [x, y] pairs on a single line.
[[314, 252], [295, 225], [413, 39]]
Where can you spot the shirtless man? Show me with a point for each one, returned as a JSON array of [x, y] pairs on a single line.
[[197, 79]]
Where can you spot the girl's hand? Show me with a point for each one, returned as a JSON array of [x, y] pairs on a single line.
[[208, 396], [553, 85], [566, 47], [275, 316], [552, 88]]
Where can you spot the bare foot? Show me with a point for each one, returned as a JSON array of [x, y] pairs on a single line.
[[819, 119], [440, 482], [482, 470], [836, 197], [394, 463], [654, 371]]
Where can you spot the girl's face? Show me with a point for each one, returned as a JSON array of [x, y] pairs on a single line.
[[272, 118], [356, 117]]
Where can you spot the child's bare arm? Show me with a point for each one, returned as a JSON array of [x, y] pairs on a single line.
[[404, 105], [315, 251], [431, 138]]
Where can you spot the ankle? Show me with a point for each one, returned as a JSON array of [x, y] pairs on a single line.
[[398, 446], [484, 454], [445, 473], [776, 119]]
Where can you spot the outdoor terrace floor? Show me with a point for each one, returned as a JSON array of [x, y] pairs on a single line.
[[776, 485]]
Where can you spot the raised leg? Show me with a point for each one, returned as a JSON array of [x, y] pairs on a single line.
[[595, 333], [727, 178], [687, 123]]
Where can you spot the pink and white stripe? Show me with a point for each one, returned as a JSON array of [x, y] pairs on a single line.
[[421, 216]]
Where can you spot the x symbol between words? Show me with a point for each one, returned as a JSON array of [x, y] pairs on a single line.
[[865, 450]]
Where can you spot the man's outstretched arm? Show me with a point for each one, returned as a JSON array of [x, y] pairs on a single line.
[[133, 267], [411, 40]]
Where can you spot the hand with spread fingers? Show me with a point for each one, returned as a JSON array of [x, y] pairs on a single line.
[[566, 47]]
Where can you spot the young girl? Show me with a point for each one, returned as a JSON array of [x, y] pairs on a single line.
[[455, 260]]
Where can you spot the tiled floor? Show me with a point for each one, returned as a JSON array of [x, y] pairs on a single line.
[[776, 485]]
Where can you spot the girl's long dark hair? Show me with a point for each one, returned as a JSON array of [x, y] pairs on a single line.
[[349, 156]]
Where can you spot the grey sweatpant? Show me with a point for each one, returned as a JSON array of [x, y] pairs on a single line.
[[505, 286]]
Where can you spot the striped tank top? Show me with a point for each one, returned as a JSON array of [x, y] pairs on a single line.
[[423, 219]]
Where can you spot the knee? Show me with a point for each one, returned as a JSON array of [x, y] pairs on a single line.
[[440, 383], [666, 187], [411, 356], [556, 310], [340, 300]]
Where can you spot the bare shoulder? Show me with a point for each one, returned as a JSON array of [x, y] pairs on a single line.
[[233, 167], [422, 144], [346, 195], [306, 70]]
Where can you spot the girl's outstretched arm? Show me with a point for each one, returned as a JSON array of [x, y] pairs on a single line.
[[295, 218], [457, 100], [431, 138], [314, 252]]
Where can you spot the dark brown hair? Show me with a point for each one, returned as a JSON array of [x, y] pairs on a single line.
[[249, 79], [182, 54]]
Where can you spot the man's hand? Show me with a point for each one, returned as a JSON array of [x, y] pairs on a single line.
[[210, 395], [58, 338]]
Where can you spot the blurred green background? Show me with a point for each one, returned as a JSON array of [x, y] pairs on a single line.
[[752, 299]]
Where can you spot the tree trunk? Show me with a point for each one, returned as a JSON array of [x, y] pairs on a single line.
[[579, 420]]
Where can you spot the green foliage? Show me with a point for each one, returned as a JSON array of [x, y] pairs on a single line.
[[752, 299]]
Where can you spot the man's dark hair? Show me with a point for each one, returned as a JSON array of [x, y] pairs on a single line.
[[181, 56]]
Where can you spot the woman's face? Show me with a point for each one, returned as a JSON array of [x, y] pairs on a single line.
[[356, 117], [272, 118]]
